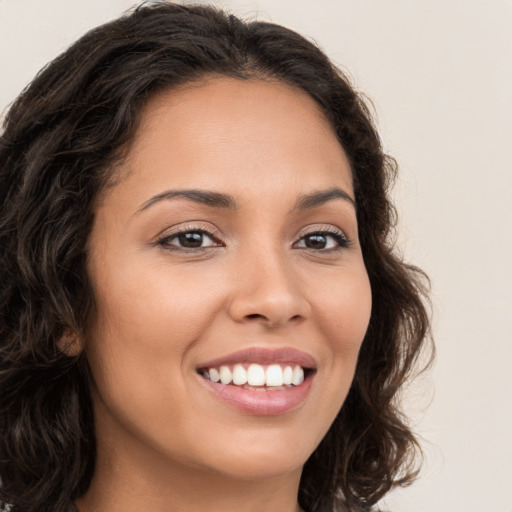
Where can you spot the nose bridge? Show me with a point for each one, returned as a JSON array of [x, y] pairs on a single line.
[[268, 289]]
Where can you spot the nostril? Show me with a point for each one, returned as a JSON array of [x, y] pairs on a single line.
[[255, 315], [265, 318]]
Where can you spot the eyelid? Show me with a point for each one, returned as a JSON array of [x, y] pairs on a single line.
[[186, 227], [325, 230], [216, 236]]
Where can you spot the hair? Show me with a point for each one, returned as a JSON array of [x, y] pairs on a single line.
[[62, 139]]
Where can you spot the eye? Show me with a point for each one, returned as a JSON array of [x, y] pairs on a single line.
[[323, 241], [189, 239]]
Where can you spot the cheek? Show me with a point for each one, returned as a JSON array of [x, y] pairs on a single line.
[[148, 320], [154, 307], [342, 315], [144, 327], [345, 310]]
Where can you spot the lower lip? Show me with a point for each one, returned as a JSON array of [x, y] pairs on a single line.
[[261, 403]]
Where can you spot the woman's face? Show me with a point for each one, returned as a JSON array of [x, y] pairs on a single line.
[[228, 249]]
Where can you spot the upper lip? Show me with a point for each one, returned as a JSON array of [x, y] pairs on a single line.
[[260, 355]]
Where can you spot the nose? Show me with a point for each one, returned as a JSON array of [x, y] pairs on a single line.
[[268, 291]]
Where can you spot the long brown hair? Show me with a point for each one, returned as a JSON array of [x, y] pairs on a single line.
[[59, 147]]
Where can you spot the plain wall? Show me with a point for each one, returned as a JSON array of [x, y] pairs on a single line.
[[439, 73]]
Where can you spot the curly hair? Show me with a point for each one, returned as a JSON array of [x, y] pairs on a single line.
[[61, 141]]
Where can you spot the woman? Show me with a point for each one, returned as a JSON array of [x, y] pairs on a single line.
[[200, 304]]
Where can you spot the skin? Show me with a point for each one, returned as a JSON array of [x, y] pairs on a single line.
[[165, 441]]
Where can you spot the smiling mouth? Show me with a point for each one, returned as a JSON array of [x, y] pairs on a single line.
[[260, 381], [257, 377]]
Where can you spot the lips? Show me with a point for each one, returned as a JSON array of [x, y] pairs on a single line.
[[264, 357], [260, 381]]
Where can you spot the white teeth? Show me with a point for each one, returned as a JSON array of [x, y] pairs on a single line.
[[298, 376], [214, 375], [239, 375], [274, 375], [256, 375], [225, 375], [287, 375]]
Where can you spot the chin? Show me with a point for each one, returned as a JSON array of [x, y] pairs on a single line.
[[263, 468], [268, 457]]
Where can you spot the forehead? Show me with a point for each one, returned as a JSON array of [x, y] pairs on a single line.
[[230, 133]]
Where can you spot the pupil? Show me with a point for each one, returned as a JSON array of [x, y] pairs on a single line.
[[316, 241], [191, 239]]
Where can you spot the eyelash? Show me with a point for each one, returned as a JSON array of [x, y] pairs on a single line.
[[165, 240], [337, 235]]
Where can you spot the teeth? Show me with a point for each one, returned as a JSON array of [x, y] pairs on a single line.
[[225, 375], [288, 375], [239, 375], [256, 375], [214, 375], [298, 376], [275, 375]]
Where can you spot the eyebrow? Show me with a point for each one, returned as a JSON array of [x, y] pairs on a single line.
[[212, 199], [316, 199], [220, 200]]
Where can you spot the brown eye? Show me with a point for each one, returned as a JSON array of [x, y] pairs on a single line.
[[323, 240], [190, 239], [315, 241]]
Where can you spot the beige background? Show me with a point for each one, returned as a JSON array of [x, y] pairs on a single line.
[[440, 75]]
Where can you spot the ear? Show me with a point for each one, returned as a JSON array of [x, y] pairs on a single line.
[[70, 343]]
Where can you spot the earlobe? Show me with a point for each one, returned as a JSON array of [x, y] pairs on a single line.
[[70, 343]]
